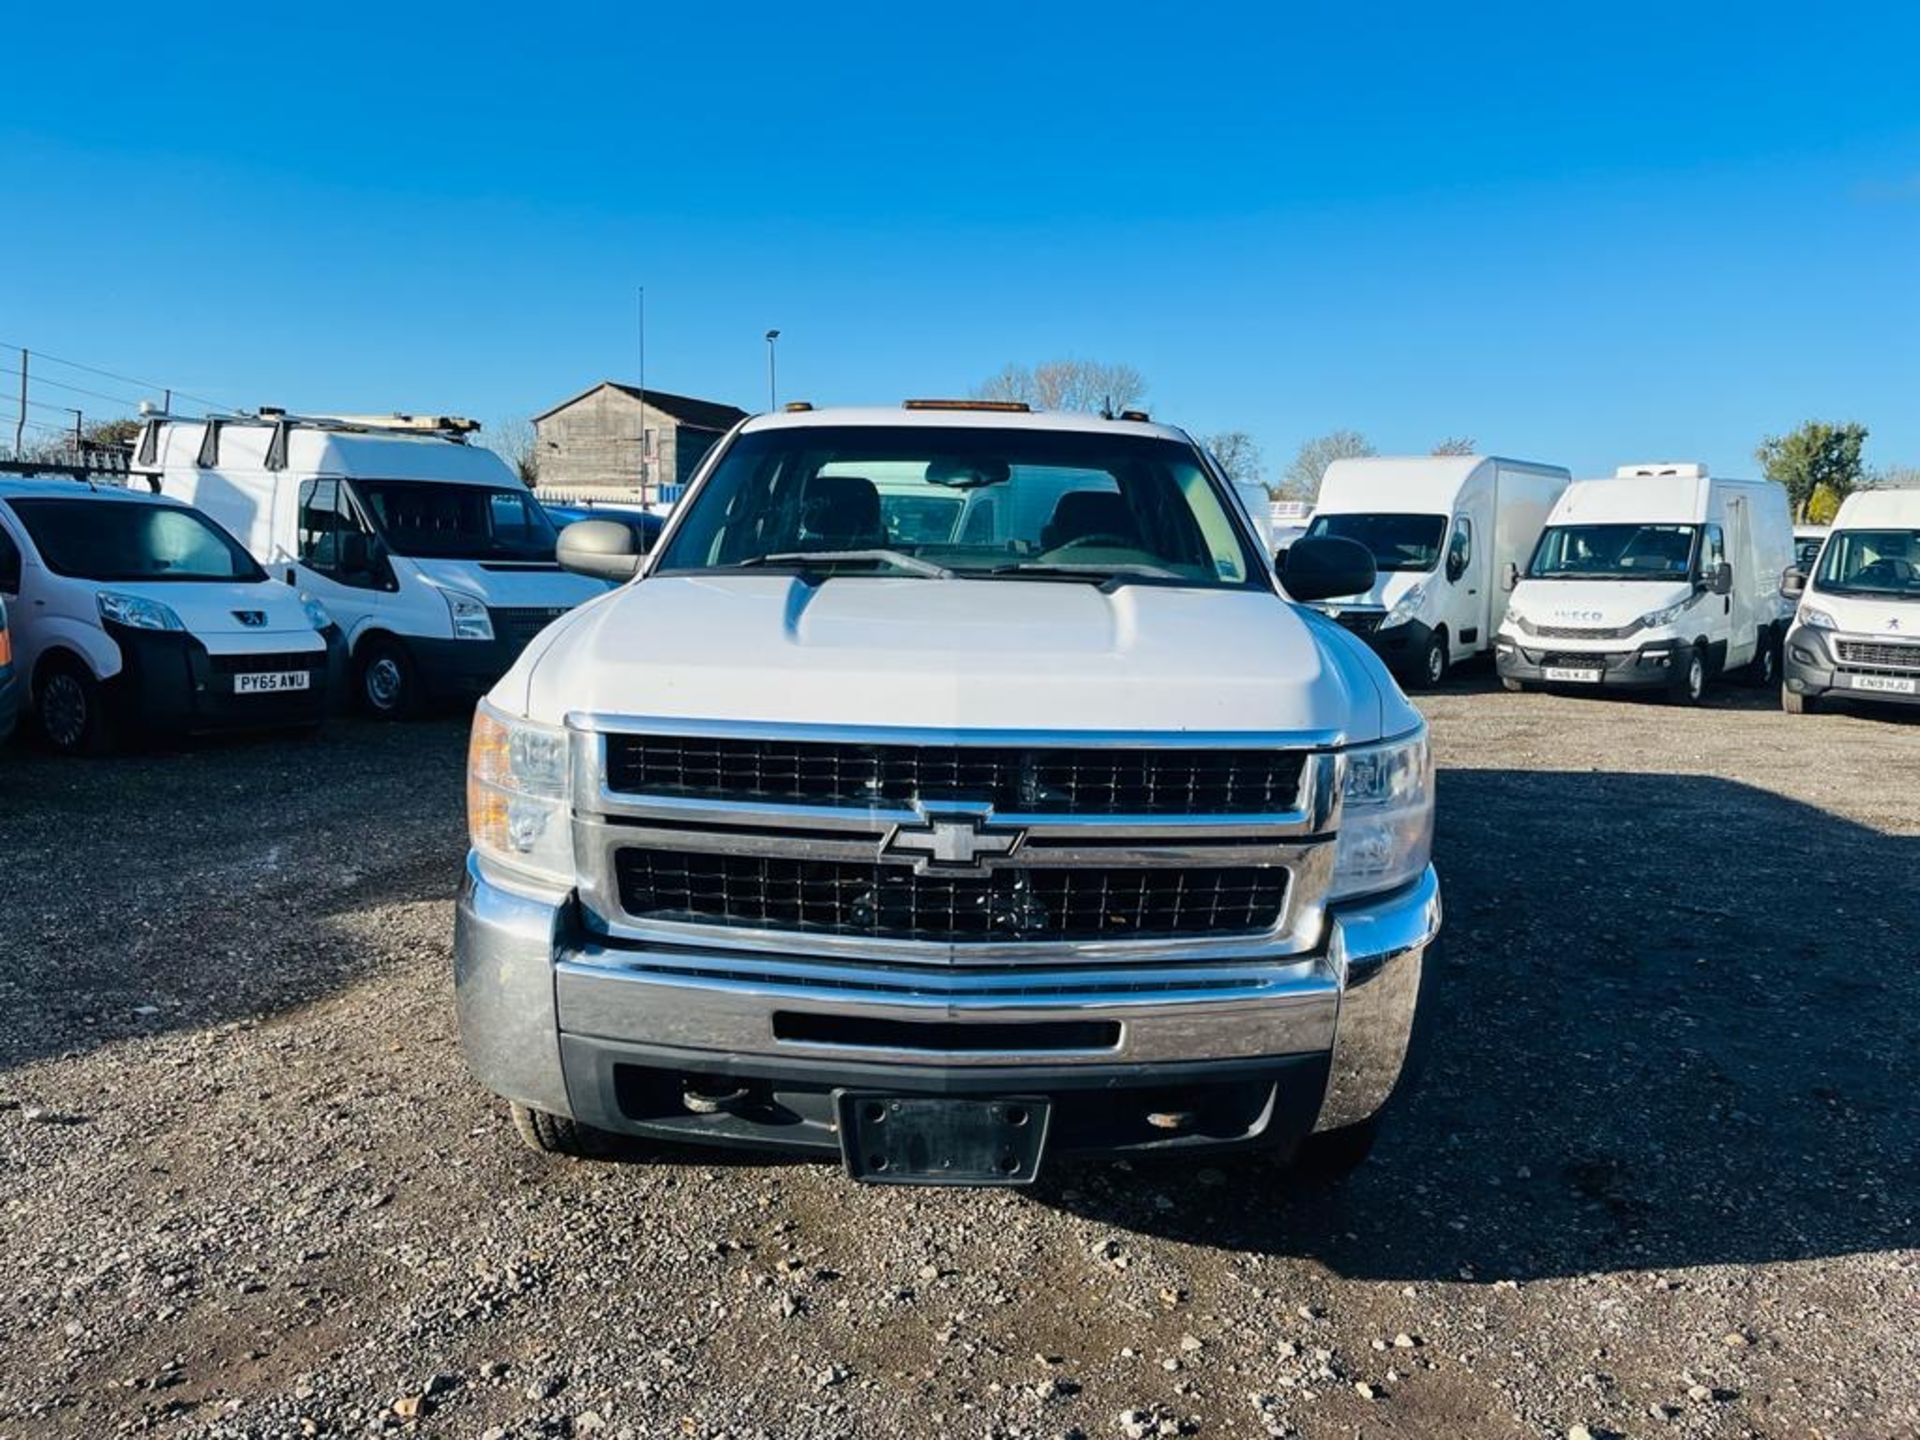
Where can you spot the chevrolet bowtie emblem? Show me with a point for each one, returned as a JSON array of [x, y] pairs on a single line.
[[951, 844]]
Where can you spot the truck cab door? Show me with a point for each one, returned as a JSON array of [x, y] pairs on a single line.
[[335, 557], [1716, 611], [1464, 572]]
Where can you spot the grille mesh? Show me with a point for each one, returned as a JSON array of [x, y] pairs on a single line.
[[1360, 622], [1879, 654], [248, 664], [515, 625], [892, 902], [1017, 779]]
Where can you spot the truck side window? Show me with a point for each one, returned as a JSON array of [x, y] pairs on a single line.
[[1460, 551], [9, 563]]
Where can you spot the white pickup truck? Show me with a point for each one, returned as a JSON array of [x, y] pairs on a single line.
[[950, 787]]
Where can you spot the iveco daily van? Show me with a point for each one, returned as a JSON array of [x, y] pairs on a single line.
[[1057, 827], [1660, 578], [434, 558], [1857, 631], [1442, 529], [135, 616]]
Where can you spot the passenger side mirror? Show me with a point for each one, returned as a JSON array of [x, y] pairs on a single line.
[[1793, 582], [604, 549], [1325, 567], [1510, 576], [1720, 582]]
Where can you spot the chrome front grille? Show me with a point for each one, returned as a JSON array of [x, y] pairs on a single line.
[[897, 902], [904, 847], [1122, 780]]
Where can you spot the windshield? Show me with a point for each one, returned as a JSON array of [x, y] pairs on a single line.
[[973, 502], [1614, 552], [1398, 542], [1871, 562], [1806, 550], [115, 540], [431, 519]]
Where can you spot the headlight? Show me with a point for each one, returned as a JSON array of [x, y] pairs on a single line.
[[1653, 619], [316, 612], [1816, 617], [470, 618], [1386, 820], [1405, 607], [136, 612], [1519, 620], [517, 797]]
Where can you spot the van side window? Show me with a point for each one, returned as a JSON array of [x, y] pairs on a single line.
[[9, 563], [1460, 551]]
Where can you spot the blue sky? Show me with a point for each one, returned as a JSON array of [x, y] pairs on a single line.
[[1625, 232]]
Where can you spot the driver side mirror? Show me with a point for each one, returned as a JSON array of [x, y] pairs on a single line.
[[1325, 567], [1510, 576], [1720, 582], [604, 549], [1793, 582]]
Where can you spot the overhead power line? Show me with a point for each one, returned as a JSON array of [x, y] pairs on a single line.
[[116, 375]]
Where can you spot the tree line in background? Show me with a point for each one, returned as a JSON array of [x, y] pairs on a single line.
[[1819, 464]]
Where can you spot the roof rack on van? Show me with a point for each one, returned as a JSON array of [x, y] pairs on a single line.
[[455, 428]]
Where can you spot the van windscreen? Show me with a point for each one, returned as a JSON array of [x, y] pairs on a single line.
[[132, 540], [1871, 562], [430, 519], [1398, 542], [1614, 552]]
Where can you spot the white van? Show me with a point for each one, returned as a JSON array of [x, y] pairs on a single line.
[[435, 560], [1857, 631], [1662, 577], [133, 614], [1442, 529]]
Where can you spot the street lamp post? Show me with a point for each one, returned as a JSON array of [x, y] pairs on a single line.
[[773, 402]]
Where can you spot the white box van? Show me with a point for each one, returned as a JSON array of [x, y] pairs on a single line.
[[136, 615], [1662, 577], [1857, 631], [435, 560], [1442, 529]]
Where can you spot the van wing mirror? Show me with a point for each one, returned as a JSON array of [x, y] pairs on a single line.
[[1324, 567], [1510, 577], [1793, 582], [604, 549], [1721, 581]]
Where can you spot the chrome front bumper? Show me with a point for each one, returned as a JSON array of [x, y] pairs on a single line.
[[527, 982]]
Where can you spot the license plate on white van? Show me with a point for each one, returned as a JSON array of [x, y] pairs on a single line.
[[269, 682], [1885, 684], [1572, 676]]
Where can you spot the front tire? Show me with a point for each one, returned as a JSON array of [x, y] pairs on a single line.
[[1433, 662], [71, 710], [1511, 686], [557, 1134], [1689, 683], [1765, 670], [1795, 703], [388, 681]]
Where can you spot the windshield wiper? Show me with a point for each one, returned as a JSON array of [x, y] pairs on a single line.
[[1092, 574], [807, 558]]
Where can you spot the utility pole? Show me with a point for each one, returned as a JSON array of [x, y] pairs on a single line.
[[773, 402], [77, 418], [20, 427], [646, 459]]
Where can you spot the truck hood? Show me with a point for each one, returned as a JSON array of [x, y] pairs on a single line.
[[501, 583], [1601, 604], [211, 611], [955, 654]]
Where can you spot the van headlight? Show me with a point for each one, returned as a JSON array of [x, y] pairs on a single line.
[[1816, 617], [470, 618], [1386, 818], [315, 612], [1518, 619], [1654, 619], [1405, 608], [517, 813], [136, 612]]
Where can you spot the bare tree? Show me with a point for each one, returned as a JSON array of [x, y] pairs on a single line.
[[1301, 479], [1894, 477], [1238, 454], [516, 442], [1087, 385], [1457, 445]]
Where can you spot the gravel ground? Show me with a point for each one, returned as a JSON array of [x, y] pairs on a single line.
[[1660, 1178]]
